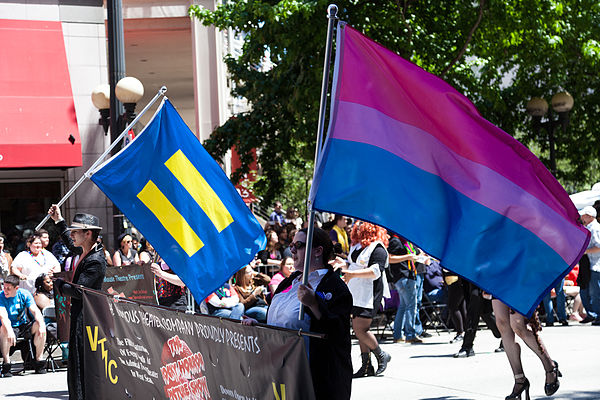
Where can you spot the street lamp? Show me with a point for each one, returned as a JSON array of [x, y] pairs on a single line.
[[129, 91], [537, 107]]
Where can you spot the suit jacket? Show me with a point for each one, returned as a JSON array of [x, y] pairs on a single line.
[[89, 273], [330, 360]]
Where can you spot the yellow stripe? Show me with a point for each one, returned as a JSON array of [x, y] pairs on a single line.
[[170, 218], [199, 189]]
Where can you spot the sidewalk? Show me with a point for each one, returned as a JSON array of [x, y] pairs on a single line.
[[428, 371]]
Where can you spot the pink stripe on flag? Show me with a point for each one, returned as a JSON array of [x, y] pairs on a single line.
[[476, 181], [376, 77]]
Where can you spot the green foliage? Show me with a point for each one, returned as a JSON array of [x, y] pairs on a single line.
[[517, 50]]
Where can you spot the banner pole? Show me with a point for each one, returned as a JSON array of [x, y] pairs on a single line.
[[100, 159], [331, 16]]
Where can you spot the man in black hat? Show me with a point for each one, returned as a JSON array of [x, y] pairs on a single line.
[[80, 238]]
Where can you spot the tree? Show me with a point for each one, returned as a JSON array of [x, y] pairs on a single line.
[[498, 53]]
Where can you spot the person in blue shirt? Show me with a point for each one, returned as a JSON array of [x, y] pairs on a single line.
[[15, 305]]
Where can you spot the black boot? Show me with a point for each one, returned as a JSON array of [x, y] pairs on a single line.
[[383, 359], [367, 368]]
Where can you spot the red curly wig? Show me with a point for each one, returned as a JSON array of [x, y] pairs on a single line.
[[366, 233]]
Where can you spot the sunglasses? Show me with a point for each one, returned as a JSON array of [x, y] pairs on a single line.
[[295, 246]]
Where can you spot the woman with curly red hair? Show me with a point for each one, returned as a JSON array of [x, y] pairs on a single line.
[[366, 280]]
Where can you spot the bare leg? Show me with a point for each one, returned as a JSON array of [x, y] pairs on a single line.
[[366, 340], [4, 345], [39, 339]]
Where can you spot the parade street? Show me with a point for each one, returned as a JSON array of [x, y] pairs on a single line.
[[428, 371]]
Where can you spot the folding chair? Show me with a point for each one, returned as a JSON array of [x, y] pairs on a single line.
[[431, 314], [52, 342], [385, 316]]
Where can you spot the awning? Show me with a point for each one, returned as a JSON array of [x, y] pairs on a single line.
[[38, 126]]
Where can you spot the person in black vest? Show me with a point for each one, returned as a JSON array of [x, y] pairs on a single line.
[[80, 238]]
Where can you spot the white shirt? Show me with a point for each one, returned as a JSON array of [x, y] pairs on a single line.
[[33, 266], [594, 228], [285, 306]]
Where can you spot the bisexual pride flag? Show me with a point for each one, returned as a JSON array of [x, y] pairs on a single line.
[[180, 199], [406, 151]]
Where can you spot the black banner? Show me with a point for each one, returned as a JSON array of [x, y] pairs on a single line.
[[132, 281], [145, 352]]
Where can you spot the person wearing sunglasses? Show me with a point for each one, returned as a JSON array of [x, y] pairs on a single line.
[[125, 254], [327, 304]]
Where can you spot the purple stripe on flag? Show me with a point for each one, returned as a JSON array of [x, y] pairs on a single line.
[[380, 79], [476, 181]]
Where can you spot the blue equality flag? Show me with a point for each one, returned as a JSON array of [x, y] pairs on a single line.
[[408, 152], [180, 199]]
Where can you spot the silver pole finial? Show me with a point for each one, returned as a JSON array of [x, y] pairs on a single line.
[[332, 11]]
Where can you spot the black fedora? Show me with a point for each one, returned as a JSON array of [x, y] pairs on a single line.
[[85, 221]]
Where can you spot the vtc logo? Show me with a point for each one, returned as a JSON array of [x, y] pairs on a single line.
[[108, 364]]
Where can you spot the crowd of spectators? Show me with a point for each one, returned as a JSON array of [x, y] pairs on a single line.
[[393, 263]]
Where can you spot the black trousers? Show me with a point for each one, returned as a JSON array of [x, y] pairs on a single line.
[[477, 307]]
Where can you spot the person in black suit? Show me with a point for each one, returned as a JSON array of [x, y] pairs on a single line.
[[81, 238]]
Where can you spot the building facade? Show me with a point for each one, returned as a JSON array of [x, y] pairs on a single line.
[[49, 129]]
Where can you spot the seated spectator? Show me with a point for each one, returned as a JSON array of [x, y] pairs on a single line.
[[44, 291], [338, 234], [170, 289], [32, 262], [224, 302], [286, 267], [125, 254], [14, 306], [109, 261], [148, 253], [271, 255], [251, 295], [572, 289], [60, 251], [44, 297], [276, 217], [433, 284], [5, 259], [292, 217]]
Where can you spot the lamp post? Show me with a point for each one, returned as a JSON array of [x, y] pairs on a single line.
[[128, 91], [537, 107]]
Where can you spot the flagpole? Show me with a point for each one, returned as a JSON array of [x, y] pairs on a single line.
[[331, 16], [89, 172]]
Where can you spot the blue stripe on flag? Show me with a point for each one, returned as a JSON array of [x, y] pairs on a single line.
[[359, 179]]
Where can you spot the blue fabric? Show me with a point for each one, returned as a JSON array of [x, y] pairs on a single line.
[[17, 306], [438, 295], [594, 292], [561, 304], [259, 313], [127, 173], [234, 312], [497, 254], [419, 287], [404, 322], [587, 302]]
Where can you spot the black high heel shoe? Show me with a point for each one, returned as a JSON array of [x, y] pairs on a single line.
[[552, 387], [519, 388]]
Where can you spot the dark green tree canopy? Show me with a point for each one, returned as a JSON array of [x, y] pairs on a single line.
[[498, 53]]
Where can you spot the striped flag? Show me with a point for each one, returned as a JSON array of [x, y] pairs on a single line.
[[180, 199], [408, 152]]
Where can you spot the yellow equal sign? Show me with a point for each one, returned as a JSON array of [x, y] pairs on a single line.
[[170, 218], [199, 189]]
